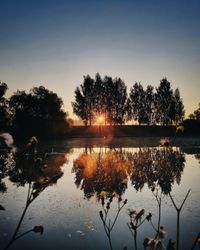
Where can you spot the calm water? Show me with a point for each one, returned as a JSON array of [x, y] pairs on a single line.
[[63, 192]]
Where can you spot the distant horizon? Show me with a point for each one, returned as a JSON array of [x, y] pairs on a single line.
[[55, 43]]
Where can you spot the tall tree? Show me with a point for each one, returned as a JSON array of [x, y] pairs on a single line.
[[85, 100], [3, 88], [109, 98], [196, 114], [79, 107], [179, 107], [119, 101], [164, 102], [106, 97], [149, 105], [116, 94], [100, 94], [136, 103]]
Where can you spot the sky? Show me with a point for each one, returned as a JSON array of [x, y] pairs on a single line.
[[55, 43]]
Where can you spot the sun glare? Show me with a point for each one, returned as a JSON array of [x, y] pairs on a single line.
[[100, 119]]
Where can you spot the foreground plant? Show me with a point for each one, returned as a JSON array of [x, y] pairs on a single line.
[[136, 220], [178, 210], [104, 214], [156, 242]]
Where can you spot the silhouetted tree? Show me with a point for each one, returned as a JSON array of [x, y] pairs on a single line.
[[116, 101], [84, 100], [108, 97], [164, 103], [3, 88], [137, 103], [105, 97], [196, 114], [4, 108], [38, 112], [149, 105], [100, 96], [179, 107]]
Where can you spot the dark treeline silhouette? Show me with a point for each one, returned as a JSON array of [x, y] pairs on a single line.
[[196, 114], [38, 112], [108, 97]]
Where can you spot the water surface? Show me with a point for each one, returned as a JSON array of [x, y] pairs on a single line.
[[63, 193]]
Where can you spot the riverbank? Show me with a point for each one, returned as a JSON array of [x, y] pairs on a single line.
[[120, 131], [188, 144], [131, 131]]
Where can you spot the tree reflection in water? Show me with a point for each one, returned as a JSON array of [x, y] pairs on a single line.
[[7, 163], [38, 174], [97, 171], [157, 167], [109, 171], [101, 171]]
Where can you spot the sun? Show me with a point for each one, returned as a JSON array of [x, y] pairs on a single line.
[[100, 119]]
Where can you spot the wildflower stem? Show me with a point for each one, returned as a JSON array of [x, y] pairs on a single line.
[[17, 228], [153, 225], [21, 235], [178, 210], [120, 208]]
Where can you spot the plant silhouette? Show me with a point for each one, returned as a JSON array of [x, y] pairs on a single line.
[[38, 173], [104, 214], [178, 210]]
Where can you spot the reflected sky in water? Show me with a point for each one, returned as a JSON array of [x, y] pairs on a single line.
[[68, 186]]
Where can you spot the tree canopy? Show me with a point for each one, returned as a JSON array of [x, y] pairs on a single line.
[[39, 112], [108, 97], [196, 114], [101, 97]]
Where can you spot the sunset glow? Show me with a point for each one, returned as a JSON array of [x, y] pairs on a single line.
[[99, 124], [56, 43], [100, 119]]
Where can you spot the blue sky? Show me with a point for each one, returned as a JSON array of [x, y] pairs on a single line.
[[55, 43]]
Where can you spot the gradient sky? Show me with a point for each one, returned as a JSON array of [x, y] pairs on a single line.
[[55, 42]]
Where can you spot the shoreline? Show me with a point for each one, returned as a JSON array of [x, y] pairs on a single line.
[[118, 142]]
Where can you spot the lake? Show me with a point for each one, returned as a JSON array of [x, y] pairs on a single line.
[[98, 195]]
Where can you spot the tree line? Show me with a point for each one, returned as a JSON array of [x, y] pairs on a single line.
[[39, 112], [108, 97], [196, 114]]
